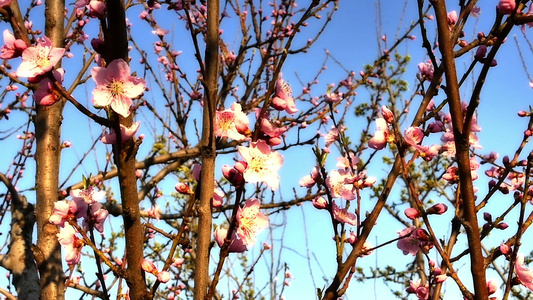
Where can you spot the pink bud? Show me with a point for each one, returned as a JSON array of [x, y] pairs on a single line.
[[505, 249], [196, 170], [387, 114], [487, 217], [320, 202], [241, 166], [481, 52], [437, 209], [523, 113], [412, 213], [183, 188], [163, 276], [506, 6], [148, 266], [441, 278], [502, 226], [492, 286]]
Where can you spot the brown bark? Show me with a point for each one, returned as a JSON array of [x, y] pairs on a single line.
[[201, 274], [47, 157], [461, 133], [116, 42], [19, 259]]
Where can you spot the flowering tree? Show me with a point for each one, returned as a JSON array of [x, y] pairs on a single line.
[[187, 170]]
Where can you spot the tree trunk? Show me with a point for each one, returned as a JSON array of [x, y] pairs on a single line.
[[47, 156], [201, 273]]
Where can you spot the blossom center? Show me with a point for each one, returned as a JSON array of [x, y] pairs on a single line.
[[225, 120], [42, 59], [116, 88], [248, 224], [286, 88], [259, 164]]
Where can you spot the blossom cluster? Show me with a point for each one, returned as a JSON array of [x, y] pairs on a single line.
[[250, 221], [84, 206]]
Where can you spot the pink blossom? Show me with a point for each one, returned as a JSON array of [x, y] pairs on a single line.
[[431, 152], [232, 175], [337, 185], [251, 221], [387, 114], [218, 198], [163, 276], [506, 6], [97, 217], [426, 70], [154, 212], [451, 175], [352, 239], [178, 262], [421, 292], [269, 129], [39, 59], [232, 123], [148, 266], [62, 213], [492, 286], [332, 136], [348, 162], [475, 11], [68, 239], [96, 9], [342, 215], [333, 97], [13, 47], [126, 133], [160, 32], [381, 136], [89, 195], [412, 239], [310, 180], [196, 171], [283, 97], [115, 87], [47, 94], [525, 276], [4, 3], [452, 17], [236, 245], [262, 164]]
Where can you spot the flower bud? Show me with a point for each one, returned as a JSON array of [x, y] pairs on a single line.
[[320, 202], [241, 166], [387, 114], [437, 209], [523, 113], [163, 276], [412, 213], [505, 249], [481, 52], [183, 188], [441, 278], [148, 266], [492, 286], [502, 226]]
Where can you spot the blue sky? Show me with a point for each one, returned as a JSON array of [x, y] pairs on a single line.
[[352, 39]]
